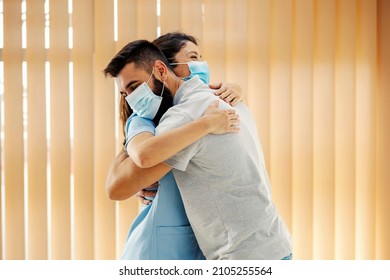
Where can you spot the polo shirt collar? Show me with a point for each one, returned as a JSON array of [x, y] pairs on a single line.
[[187, 87]]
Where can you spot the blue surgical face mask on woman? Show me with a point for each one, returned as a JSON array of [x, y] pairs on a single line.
[[200, 68], [143, 101]]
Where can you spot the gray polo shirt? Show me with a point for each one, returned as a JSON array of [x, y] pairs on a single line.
[[224, 183]]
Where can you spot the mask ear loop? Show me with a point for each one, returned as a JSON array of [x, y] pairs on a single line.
[[182, 63], [162, 91], [150, 76]]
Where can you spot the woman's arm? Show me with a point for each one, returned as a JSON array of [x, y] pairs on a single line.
[[147, 150], [125, 178]]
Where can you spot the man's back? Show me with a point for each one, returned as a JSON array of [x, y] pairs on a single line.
[[224, 184]]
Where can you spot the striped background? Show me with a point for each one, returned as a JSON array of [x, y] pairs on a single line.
[[315, 74]]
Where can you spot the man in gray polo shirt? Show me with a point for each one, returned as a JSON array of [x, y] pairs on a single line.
[[224, 184], [222, 178]]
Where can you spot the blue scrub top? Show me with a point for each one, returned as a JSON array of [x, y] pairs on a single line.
[[161, 231]]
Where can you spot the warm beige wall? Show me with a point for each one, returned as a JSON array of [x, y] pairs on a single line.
[[315, 74]]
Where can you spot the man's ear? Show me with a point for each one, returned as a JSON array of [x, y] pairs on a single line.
[[160, 70]]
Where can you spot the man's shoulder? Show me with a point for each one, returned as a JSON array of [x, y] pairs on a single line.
[[173, 117], [198, 91]]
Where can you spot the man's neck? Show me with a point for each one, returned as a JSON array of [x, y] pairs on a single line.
[[173, 83]]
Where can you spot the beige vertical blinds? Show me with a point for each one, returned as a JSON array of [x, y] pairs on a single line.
[[13, 224], [314, 74], [344, 86], [59, 145], [382, 102], [302, 124], [323, 132], [365, 127], [36, 123], [128, 209], [103, 130], [83, 135], [280, 118]]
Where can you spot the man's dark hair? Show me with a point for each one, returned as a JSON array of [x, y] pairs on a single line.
[[171, 43], [142, 52]]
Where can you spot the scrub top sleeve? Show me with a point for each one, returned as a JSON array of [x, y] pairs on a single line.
[[136, 125]]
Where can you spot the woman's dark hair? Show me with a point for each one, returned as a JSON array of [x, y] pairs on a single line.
[[124, 113], [171, 43]]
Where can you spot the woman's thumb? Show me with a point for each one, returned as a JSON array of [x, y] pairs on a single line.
[[215, 85]]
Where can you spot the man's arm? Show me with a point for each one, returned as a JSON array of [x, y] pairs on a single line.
[[125, 178], [148, 150]]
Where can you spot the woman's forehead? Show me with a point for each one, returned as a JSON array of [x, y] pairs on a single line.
[[188, 49]]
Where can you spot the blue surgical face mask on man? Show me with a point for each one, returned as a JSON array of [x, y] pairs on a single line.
[[200, 68], [143, 101]]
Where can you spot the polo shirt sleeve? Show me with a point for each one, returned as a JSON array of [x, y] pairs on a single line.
[[136, 125], [180, 160]]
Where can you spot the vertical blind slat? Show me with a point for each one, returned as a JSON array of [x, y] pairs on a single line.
[[192, 19], [127, 22], [302, 128], [83, 156], [60, 130], [146, 19], [214, 38], [323, 131], [128, 209], [170, 18], [258, 96], [13, 130], [235, 42], [383, 119], [345, 129], [104, 130], [365, 129], [280, 106], [36, 123]]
